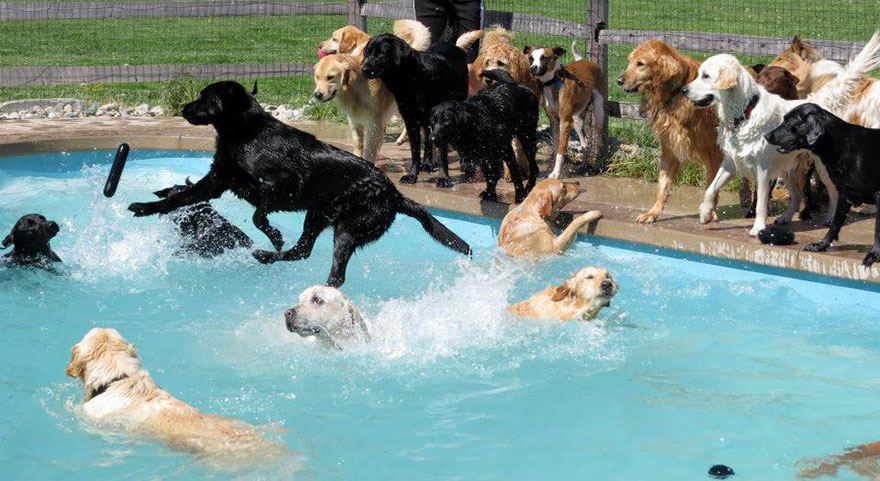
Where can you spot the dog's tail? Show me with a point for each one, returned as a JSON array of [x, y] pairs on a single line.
[[497, 75], [414, 33], [574, 51], [465, 41], [435, 229], [837, 94]]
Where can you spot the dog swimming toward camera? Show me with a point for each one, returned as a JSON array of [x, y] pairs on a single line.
[[30, 238], [278, 168]]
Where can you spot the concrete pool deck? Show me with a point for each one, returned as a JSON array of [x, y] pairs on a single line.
[[620, 200]]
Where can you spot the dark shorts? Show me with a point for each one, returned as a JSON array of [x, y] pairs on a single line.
[[433, 15]]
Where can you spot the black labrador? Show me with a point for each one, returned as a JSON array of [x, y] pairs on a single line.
[[419, 81], [30, 238], [851, 154], [482, 127], [275, 168], [203, 230]]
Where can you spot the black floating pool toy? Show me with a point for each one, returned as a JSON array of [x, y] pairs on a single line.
[[116, 170], [720, 471], [776, 236]]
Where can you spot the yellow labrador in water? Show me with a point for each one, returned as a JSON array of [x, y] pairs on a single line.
[[527, 232], [325, 313], [579, 298], [121, 393]]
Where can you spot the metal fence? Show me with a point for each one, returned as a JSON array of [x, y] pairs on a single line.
[[107, 41]]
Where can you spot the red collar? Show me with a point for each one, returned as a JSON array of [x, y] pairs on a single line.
[[748, 112]]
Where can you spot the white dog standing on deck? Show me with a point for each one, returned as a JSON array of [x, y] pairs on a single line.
[[747, 112], [119, 392]]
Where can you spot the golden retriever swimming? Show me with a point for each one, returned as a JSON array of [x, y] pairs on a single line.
[[864, 460], [658, 72], [527, 232], [121, 393], [579, 298], [368, 104]]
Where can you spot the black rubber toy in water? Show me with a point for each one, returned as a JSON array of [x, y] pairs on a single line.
[[116, 170], [776, 236], [720, 471]]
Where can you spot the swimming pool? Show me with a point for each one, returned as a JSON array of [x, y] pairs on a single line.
[[693, 364]]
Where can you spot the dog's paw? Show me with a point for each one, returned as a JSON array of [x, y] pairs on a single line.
[[443, 182], [265, 257], [816, 247], [872, 257], [489, 196], [782, 220], [647, 217], [142, 209], [409, 179], [707, 213], [427, 167], [755, 229]]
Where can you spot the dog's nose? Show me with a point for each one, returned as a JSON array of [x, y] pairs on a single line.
[[319, 96], [53, 227], [290, 318], [607, 285], [620, 81]]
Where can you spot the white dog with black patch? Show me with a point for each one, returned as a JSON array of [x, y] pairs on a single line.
[[747, 112], [325, 313]]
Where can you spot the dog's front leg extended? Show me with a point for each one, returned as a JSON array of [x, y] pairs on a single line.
[[840, 212], [209, 187], [261, 220], [723, 176], [874, 254], [762, 187], [343, 247], [561, 242], [415, 142], [561, 146], [313, 225], [443, 152]]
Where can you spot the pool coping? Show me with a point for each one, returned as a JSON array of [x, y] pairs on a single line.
[[680, 233]]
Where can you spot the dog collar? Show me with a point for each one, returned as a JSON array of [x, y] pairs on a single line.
[[747, 113], [103, 388], [556, 80]]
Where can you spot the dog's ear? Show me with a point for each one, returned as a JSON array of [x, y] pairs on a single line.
[[815, 130], [545, 203], [255, 90], [188, 182], [346, 78], [558, 52], [400, 51], [796, 44], [758, 67], [8, 240], [77, 364], [527, 49], [728, 77], [563, 291], [357, 320], [347, 43]]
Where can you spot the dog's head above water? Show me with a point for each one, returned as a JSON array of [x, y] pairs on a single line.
[[543, 60], [223, 103], [802, 128], [30, 238], [591, 284], [325, 313]]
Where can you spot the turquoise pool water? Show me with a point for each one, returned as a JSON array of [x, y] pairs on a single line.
[[693, 365]]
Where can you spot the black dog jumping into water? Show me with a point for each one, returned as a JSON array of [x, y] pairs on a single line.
[[851, 154], [276, 168], [30, 238], [203, 230]]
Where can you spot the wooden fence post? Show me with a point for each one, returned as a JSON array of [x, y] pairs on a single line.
[[597, 20], [355, 14]]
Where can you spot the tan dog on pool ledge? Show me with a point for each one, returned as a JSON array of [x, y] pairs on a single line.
[[527, 232], [579, 298]]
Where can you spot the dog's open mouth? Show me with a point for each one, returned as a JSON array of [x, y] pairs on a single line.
[[705, 101], [784, 149], [325, 98], [630, 90]]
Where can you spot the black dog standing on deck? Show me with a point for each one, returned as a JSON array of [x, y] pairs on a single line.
[[30, 238], [851, 154], [277, 168], [203, 230], [482, 127], [419, 81]]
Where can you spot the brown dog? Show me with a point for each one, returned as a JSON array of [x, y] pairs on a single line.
[[579, 298], [658, 72], [527, 232], [862, 459], [566, 93]]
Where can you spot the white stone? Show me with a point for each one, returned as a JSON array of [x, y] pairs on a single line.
[[157, 111], [13, 115], [68, 108], [110, 106]]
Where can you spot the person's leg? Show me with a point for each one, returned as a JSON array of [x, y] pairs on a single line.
[[470, 17], [430, 13]]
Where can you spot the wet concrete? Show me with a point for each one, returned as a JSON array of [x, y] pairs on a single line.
[[620, 200]]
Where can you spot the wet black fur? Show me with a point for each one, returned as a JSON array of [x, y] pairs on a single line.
[[30, 238]]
